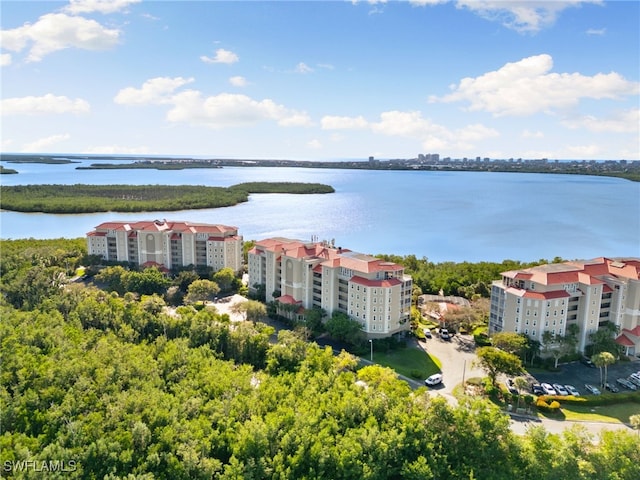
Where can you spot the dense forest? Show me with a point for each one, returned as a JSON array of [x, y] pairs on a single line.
[[465, 279], [140, 198], [121, 386]]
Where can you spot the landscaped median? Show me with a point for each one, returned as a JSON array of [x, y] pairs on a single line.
[[608, 407]]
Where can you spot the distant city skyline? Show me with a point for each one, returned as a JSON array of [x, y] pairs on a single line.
[[314, 80]]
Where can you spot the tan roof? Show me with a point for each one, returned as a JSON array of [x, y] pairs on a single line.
[[586, 272], [165, 225]]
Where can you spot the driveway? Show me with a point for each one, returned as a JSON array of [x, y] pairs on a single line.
[[457, 356]]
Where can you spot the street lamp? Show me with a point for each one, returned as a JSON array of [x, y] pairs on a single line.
[[371, 342]]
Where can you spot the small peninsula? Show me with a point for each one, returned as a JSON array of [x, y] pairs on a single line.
[[63, 199]]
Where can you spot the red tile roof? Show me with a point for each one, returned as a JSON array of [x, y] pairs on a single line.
[[288, 299], [391, 282], [634, 331], [589, 272], [624, 340], [547, 295]]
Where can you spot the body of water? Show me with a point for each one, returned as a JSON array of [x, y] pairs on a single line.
[[444, 216]]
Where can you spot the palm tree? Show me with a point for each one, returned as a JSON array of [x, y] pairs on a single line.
[[521, 384], [603, 359]]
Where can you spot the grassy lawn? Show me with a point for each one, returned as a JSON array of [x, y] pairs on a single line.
[[409, 361], [617, 413]]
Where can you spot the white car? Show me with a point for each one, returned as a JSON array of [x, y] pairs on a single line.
[[634, 378], [591, 389], [572, 390], [560, 390], [434, 379], [548, 389], [427, 333], [626, 384]]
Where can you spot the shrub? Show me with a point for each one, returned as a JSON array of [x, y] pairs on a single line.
[[482, 340]]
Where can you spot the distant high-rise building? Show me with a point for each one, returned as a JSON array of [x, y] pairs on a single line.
[[168, 244], [318, 274]]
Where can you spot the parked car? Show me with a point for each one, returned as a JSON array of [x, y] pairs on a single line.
[[434, 379], [427, 333], [635, 379], [572, 390], [444, 334], [587, 361], [611, 387], [548, 389], [591, 389], [626, 384], [537, 389], [560, 390], [512, 389]]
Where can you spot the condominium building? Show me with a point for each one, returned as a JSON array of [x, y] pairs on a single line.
[[317, 274], [168, 244], [585, 293]]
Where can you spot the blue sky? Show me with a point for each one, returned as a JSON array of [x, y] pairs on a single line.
[[322, 80]]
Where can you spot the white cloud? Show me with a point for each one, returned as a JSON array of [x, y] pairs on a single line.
[[528, 16], [433, 136], [303, 68], [47, 104], [101, 6], [422, 3], [314, 144], [118, 150], [230, 110], [217, 111], [157, 90], [622, 122], [412, 125], [529, 134], [329, 122], [44, 144], [527, 87], [57, 31], [238, 81], [594, 31], [521, 16], [583, 151], [5, 59], [222, 56]]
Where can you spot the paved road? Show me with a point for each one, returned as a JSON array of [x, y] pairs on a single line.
[[458, 355]]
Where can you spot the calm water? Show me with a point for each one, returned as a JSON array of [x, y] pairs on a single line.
[[444, 216]]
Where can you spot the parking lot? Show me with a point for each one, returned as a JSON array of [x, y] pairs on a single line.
[[577, 374], [458, 355]]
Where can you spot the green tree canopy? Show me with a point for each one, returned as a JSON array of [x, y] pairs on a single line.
[[495, 361], [201, 291]]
